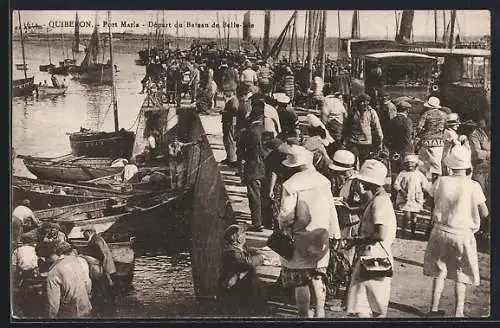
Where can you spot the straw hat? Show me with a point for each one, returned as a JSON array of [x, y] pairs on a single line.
[[373, 171], [343, 160], [433, 102], [459, 158], [297, 156], [281, 98], [312, 245], [452, 119]]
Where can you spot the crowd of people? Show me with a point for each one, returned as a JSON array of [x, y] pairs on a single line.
[[51, 278], [375, 162]]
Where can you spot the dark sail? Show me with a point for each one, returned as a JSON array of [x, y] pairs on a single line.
[[267, 27]]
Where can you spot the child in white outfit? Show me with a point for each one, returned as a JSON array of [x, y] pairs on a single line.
[[410, 186]]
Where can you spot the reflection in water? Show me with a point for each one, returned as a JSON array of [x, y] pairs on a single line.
[[162, 282]]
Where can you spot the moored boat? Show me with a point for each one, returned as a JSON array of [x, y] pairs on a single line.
[[22, 67], [71, 169], [47, 68], [23, 87], [44, 90], [102, 144]]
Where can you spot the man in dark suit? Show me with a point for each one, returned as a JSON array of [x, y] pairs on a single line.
[[399, 136], [251, 153]]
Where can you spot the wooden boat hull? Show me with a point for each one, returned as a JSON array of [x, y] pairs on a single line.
[[22, 67], [46, 68], [102, 144], [69, 172], [51, 91], [41, 193], [23, 87], [102, 74], [60, 70]]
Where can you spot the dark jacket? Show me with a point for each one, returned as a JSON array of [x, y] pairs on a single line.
[[399, 134], [251, 150]]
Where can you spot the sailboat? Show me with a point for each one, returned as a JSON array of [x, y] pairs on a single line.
[[23, 87], [90, 69], [49, 66], [118, 143], [77, 47]]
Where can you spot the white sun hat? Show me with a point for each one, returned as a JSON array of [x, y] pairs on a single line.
[[281, 98], [433, 102], [343, 160], [459, 158], [372, 171], [315, 122], [297, 156]]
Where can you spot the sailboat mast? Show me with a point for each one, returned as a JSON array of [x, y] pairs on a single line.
[[310, 44], [305, 37], [218, 31], [267, 27], [48, 42], [113, 87], [435, 26], [22, 43], [338, 27], [322, 53], [444, 26], [163, 28], [452, 28]]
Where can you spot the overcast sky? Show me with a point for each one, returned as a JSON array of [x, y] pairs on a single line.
[[373, 23]]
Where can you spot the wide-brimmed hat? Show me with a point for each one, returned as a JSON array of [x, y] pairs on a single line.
[[433, 102], [297, 156], [312, 245], [372, 171], [452, 119], [281, 98], [402, 106], [459, 158], [343, 160]]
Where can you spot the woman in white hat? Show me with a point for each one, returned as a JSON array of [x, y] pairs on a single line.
[[430, 134], [459, 206], [309, 215], [410, 186], [376, 235]]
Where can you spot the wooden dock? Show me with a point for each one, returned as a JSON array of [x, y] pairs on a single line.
[[406, 301]]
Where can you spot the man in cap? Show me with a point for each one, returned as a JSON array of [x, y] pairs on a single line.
[[229, 127], [451, 253], [399, 137], [66, 288], [251, 153], [289, 120], [362, 132], [430, 138], [307, 213], [98, 249]]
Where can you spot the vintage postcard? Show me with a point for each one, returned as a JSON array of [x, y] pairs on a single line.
[[250, 164]]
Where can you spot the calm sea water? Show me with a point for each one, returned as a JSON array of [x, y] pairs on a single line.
[[162, 280]]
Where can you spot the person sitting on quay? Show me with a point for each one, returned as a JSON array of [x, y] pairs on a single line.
[[239, 287]]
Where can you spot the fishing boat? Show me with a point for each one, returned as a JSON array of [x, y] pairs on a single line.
[[22, 67], [91, 70], [45, 194], [118, 143], [70, 168], [64, 68], [48, 90], [77, 47], [49, 66], [23, 87]]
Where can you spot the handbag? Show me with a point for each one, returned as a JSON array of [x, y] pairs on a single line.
[[375, 267], [282, 243], [345, 215]]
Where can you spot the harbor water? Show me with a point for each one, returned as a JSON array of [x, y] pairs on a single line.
[[162, 283]]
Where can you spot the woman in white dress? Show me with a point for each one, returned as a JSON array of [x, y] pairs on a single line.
[[377, 231]]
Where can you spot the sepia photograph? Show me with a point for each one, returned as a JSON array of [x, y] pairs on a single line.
[[234, 164]]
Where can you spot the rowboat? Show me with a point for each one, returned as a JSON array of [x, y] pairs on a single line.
[[70, 168], [22, 67], [46, 194], [102, 144], [23, 87], [51, 91], [47, 68]]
